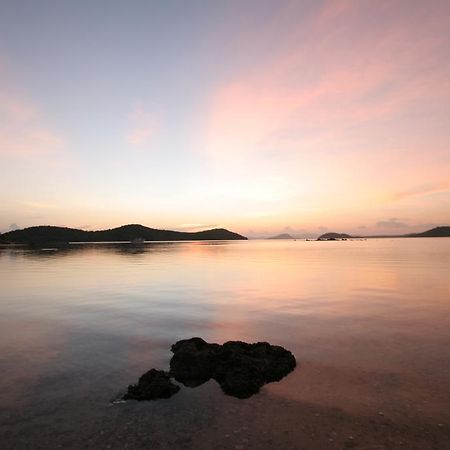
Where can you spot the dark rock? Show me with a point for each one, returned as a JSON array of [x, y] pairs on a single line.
[[240, 381], [241, 369], [193, 361], [152, 385]]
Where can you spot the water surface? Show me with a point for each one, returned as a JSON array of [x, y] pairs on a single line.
[[368, 322]]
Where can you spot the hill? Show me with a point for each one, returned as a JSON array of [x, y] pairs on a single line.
[[331, 236], [434, 232], [281, 236], [41, 234]]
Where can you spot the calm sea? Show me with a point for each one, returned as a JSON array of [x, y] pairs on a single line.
[[368, 321]]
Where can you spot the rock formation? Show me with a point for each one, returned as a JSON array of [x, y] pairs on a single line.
[[241, 369]]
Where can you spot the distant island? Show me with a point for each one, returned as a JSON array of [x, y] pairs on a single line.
[[443, 231], [434, 232], [125, 233], [333, 236], [281, 236]]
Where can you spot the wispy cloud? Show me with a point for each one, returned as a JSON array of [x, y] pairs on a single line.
[[346, 95], [423, 190], [324, 86], [142, 128], [38, 205], [23, 132], [400, 226], [391, 223]]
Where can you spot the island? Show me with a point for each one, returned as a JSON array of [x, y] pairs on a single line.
[[434, 232], [127, 233], [441, 231], [333, 236]]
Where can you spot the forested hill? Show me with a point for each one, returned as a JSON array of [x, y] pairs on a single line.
[[124, 233], [434, 232]]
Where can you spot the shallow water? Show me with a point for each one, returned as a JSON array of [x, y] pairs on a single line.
[[368, 321]]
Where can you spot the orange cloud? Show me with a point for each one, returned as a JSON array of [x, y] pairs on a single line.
[[426, 189]]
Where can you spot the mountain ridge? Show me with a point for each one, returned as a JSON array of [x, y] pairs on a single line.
[[130, 232]]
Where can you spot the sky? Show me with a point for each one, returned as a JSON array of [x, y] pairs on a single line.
[[258, 116]]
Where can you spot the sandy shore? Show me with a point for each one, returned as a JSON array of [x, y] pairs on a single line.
[[203, 418]]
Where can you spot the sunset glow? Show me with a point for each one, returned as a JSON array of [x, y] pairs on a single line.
[[259, 116]]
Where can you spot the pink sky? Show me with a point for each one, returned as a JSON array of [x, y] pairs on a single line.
[[299, 116]]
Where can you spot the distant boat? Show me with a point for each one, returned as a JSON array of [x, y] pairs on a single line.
[[137, 241]]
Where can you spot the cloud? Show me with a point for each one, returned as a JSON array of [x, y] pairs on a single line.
[[142, 127], [423, 190], [13, 227], [392, 223], [327, 82], [39, 205], [398, 224], [339, 100], [23, 133], [140, 136]]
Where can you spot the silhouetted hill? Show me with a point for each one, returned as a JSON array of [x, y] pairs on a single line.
[[434, 232], [327, 236], [124, 233], [281, 236]]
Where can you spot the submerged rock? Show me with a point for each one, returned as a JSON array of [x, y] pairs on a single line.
[[152, 385], [240, 368]]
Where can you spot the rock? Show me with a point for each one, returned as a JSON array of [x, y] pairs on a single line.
[[241, 382], [240, 368], [193, 361], [152, 385]]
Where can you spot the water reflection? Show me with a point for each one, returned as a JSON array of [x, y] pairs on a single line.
[[367, 320]]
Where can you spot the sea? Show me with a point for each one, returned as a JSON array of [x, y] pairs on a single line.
[[367, 320]]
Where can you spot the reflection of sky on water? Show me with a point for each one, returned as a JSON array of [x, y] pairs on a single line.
[[367, 320]]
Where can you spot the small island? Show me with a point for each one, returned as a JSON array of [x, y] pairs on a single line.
[[334, 237]]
